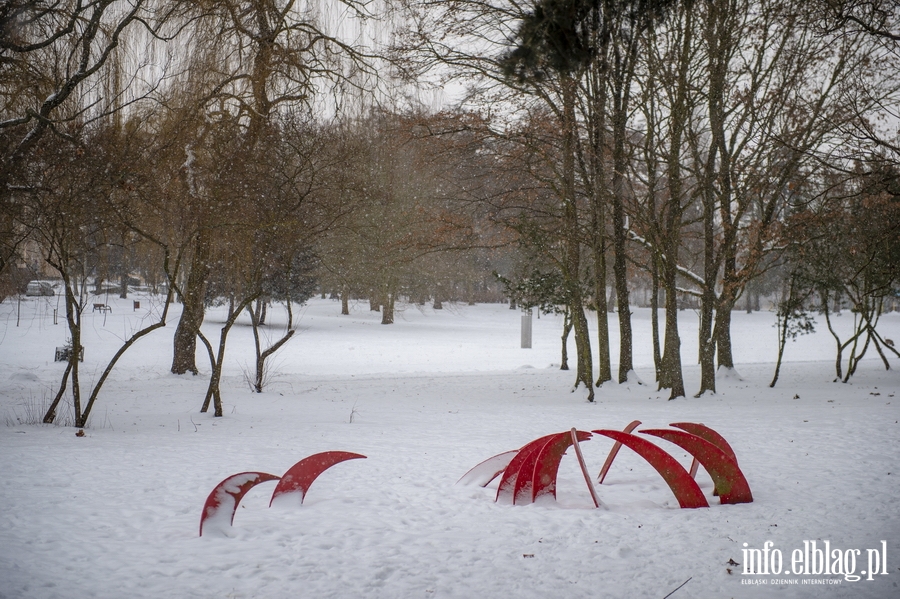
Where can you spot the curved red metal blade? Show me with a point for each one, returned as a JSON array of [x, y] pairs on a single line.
[[614, 452], [226, 496], [704, 432], [484, 472], [525, 482], [727, 476], [683, 486], [546, 465], [512, 472], [301, 475]]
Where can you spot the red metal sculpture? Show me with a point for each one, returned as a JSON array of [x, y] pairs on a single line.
[[731, 486], [683, 486], [546, 466], [226, 496], [301, 475], [507, 487], [704, 432], [526, 481], [614, 452], [224, 499], [483, 473], [531, 472], [694, 428]]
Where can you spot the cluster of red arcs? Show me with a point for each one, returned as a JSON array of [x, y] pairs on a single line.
[[223, 501], [530, 472]]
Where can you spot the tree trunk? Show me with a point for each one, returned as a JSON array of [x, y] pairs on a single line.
[[185, 345], [263, 355], [73, 321], [599, 79], [387, 311], [192, 296], [598, 240], [603, 354], [567, 328], [345, 301], [572, 266], [620, 271], [213, 391], [783, 320], [263, 306], [621, 97], [654, 315], [584, 373], [706, 338], [50, 415], [714, 170], [723, 335], [670, 372]]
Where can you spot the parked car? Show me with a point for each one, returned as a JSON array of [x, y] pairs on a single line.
[[38, 288]]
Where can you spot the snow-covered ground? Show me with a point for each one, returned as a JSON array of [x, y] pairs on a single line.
[[115, 513]]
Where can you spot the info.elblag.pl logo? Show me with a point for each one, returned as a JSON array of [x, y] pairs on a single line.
[[816, 559]]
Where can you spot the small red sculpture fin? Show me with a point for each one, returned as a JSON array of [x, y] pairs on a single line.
[[512, 472], [524, 488], [546, 466], [483, 473], [301, 475], [224, 499], [704, 432], [730, 482]]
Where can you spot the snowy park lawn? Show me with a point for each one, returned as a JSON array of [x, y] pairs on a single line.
[[115, 513]]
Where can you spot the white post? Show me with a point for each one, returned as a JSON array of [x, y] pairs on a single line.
[[526, 329]]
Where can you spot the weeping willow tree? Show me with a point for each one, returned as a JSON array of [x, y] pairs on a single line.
[[251, 62]]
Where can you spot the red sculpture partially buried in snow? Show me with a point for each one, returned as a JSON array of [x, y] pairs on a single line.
[[530, 472], [301, 475], [223, 501]]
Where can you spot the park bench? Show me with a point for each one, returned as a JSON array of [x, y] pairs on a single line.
[[102, 308]]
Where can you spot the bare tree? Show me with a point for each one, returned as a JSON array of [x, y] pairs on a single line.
[[844, 245], [778, 93], [73, 205], [668, 105], [252, 59], [57, 61]]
